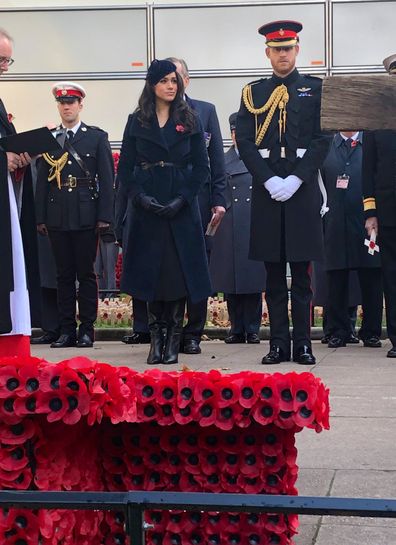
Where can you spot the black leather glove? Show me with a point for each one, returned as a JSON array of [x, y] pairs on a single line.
[[170, 209], [147, 202]]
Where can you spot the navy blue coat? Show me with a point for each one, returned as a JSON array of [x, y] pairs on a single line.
[[231, 270], [145, 246], [344, 230]]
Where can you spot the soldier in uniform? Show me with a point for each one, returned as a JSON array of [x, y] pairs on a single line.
[[379, 192], [241, 279], [280, 141], [74, 201]]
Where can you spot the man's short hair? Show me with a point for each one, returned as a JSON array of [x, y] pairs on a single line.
[[182, 62]]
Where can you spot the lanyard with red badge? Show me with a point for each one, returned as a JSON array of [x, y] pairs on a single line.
[[342, 181]]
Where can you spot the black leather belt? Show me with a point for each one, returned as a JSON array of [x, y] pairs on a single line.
[[146, 166], [73, 182]]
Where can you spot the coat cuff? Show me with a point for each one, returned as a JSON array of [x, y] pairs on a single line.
[[370, 208]]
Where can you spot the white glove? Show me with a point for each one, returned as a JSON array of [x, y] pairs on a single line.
[[287, 190], [273, 185]]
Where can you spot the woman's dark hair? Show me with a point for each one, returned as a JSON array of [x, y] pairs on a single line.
[[180, 112]]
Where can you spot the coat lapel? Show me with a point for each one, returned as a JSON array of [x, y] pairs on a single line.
[[233, 163], [82, 131], [153, 133]]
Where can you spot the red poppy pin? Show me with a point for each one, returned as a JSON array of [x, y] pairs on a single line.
[[10, 118], [180, 128]]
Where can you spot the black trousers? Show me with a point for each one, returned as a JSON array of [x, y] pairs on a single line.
[[277, 299], [245, 311], [75, 253], [387, 244], [140, 320], [49, 311], [339, 324]]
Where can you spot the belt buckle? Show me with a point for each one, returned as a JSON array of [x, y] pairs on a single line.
[[72, 182]]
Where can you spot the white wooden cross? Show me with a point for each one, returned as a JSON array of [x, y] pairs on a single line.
[[371, 244]]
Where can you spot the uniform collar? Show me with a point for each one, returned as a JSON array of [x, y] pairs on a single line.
[[290, 78], [339, 138]]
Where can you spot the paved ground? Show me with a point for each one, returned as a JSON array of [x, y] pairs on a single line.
[[355, 458]]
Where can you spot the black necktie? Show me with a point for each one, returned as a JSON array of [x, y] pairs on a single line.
[[70, 134]]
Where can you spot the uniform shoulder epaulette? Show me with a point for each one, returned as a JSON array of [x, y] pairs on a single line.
[[94, 128], [315, 78]]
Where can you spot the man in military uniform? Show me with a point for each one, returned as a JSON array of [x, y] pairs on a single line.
[[379, 191], [280, 141], [74, 200]]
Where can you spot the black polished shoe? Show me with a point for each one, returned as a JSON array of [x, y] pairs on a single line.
[[64, 341], [352, 339], [304, 356], [137, 338], [191, 346], [236, 338], [47, 338], [252, 338], [84, 341], [336, 342], [372, 342], [274, 356], [391, 353], [325, 339]]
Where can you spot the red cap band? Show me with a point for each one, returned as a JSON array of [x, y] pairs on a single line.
[[281, 35], [68, 93]]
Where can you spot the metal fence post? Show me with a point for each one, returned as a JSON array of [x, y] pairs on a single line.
[[134, 522]]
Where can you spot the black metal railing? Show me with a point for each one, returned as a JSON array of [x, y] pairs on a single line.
[[133, 504]]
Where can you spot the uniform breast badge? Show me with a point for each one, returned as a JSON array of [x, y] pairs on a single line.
[[304, 92]]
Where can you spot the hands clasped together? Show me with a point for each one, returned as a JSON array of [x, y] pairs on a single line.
[[281, 189], [168, 210]]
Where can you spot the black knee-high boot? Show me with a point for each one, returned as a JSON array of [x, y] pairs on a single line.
[[174, 312], [157, 327]]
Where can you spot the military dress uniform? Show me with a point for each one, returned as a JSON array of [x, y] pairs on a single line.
[[72, 195], [379, 194], [278, 134]]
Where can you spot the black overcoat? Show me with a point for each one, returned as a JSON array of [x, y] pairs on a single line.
[[82, 207], [28, 231], [379, 174], [145, 246], [231, 270], [302, 221], [344, 231]]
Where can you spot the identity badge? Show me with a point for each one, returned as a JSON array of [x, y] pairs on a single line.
[[342, 182]]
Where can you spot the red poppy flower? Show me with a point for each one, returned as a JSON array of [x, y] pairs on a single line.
[[226, 416], [276, 523], [175, 522], [185, 388], [190, 483], [184, 415], [211, 483], [158, 518], [17, 434], [272, 441], [210, 461], [10, 381], [206, 386], [252, 462], [13, 458], [18, 480], [229, 391], [229, 482], [167, 391], [50, 376], [250, 485], [264, 413], [194, 520], [180, 128], [208, 439], [20, 526]]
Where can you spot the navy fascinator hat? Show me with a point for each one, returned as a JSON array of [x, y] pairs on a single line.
[[158, 69]]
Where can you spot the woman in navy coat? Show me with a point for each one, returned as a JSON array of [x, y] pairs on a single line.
[[163, 164]]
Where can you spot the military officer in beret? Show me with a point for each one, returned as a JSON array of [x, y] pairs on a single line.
[[280, 141], [379, 192], [74, 201]]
